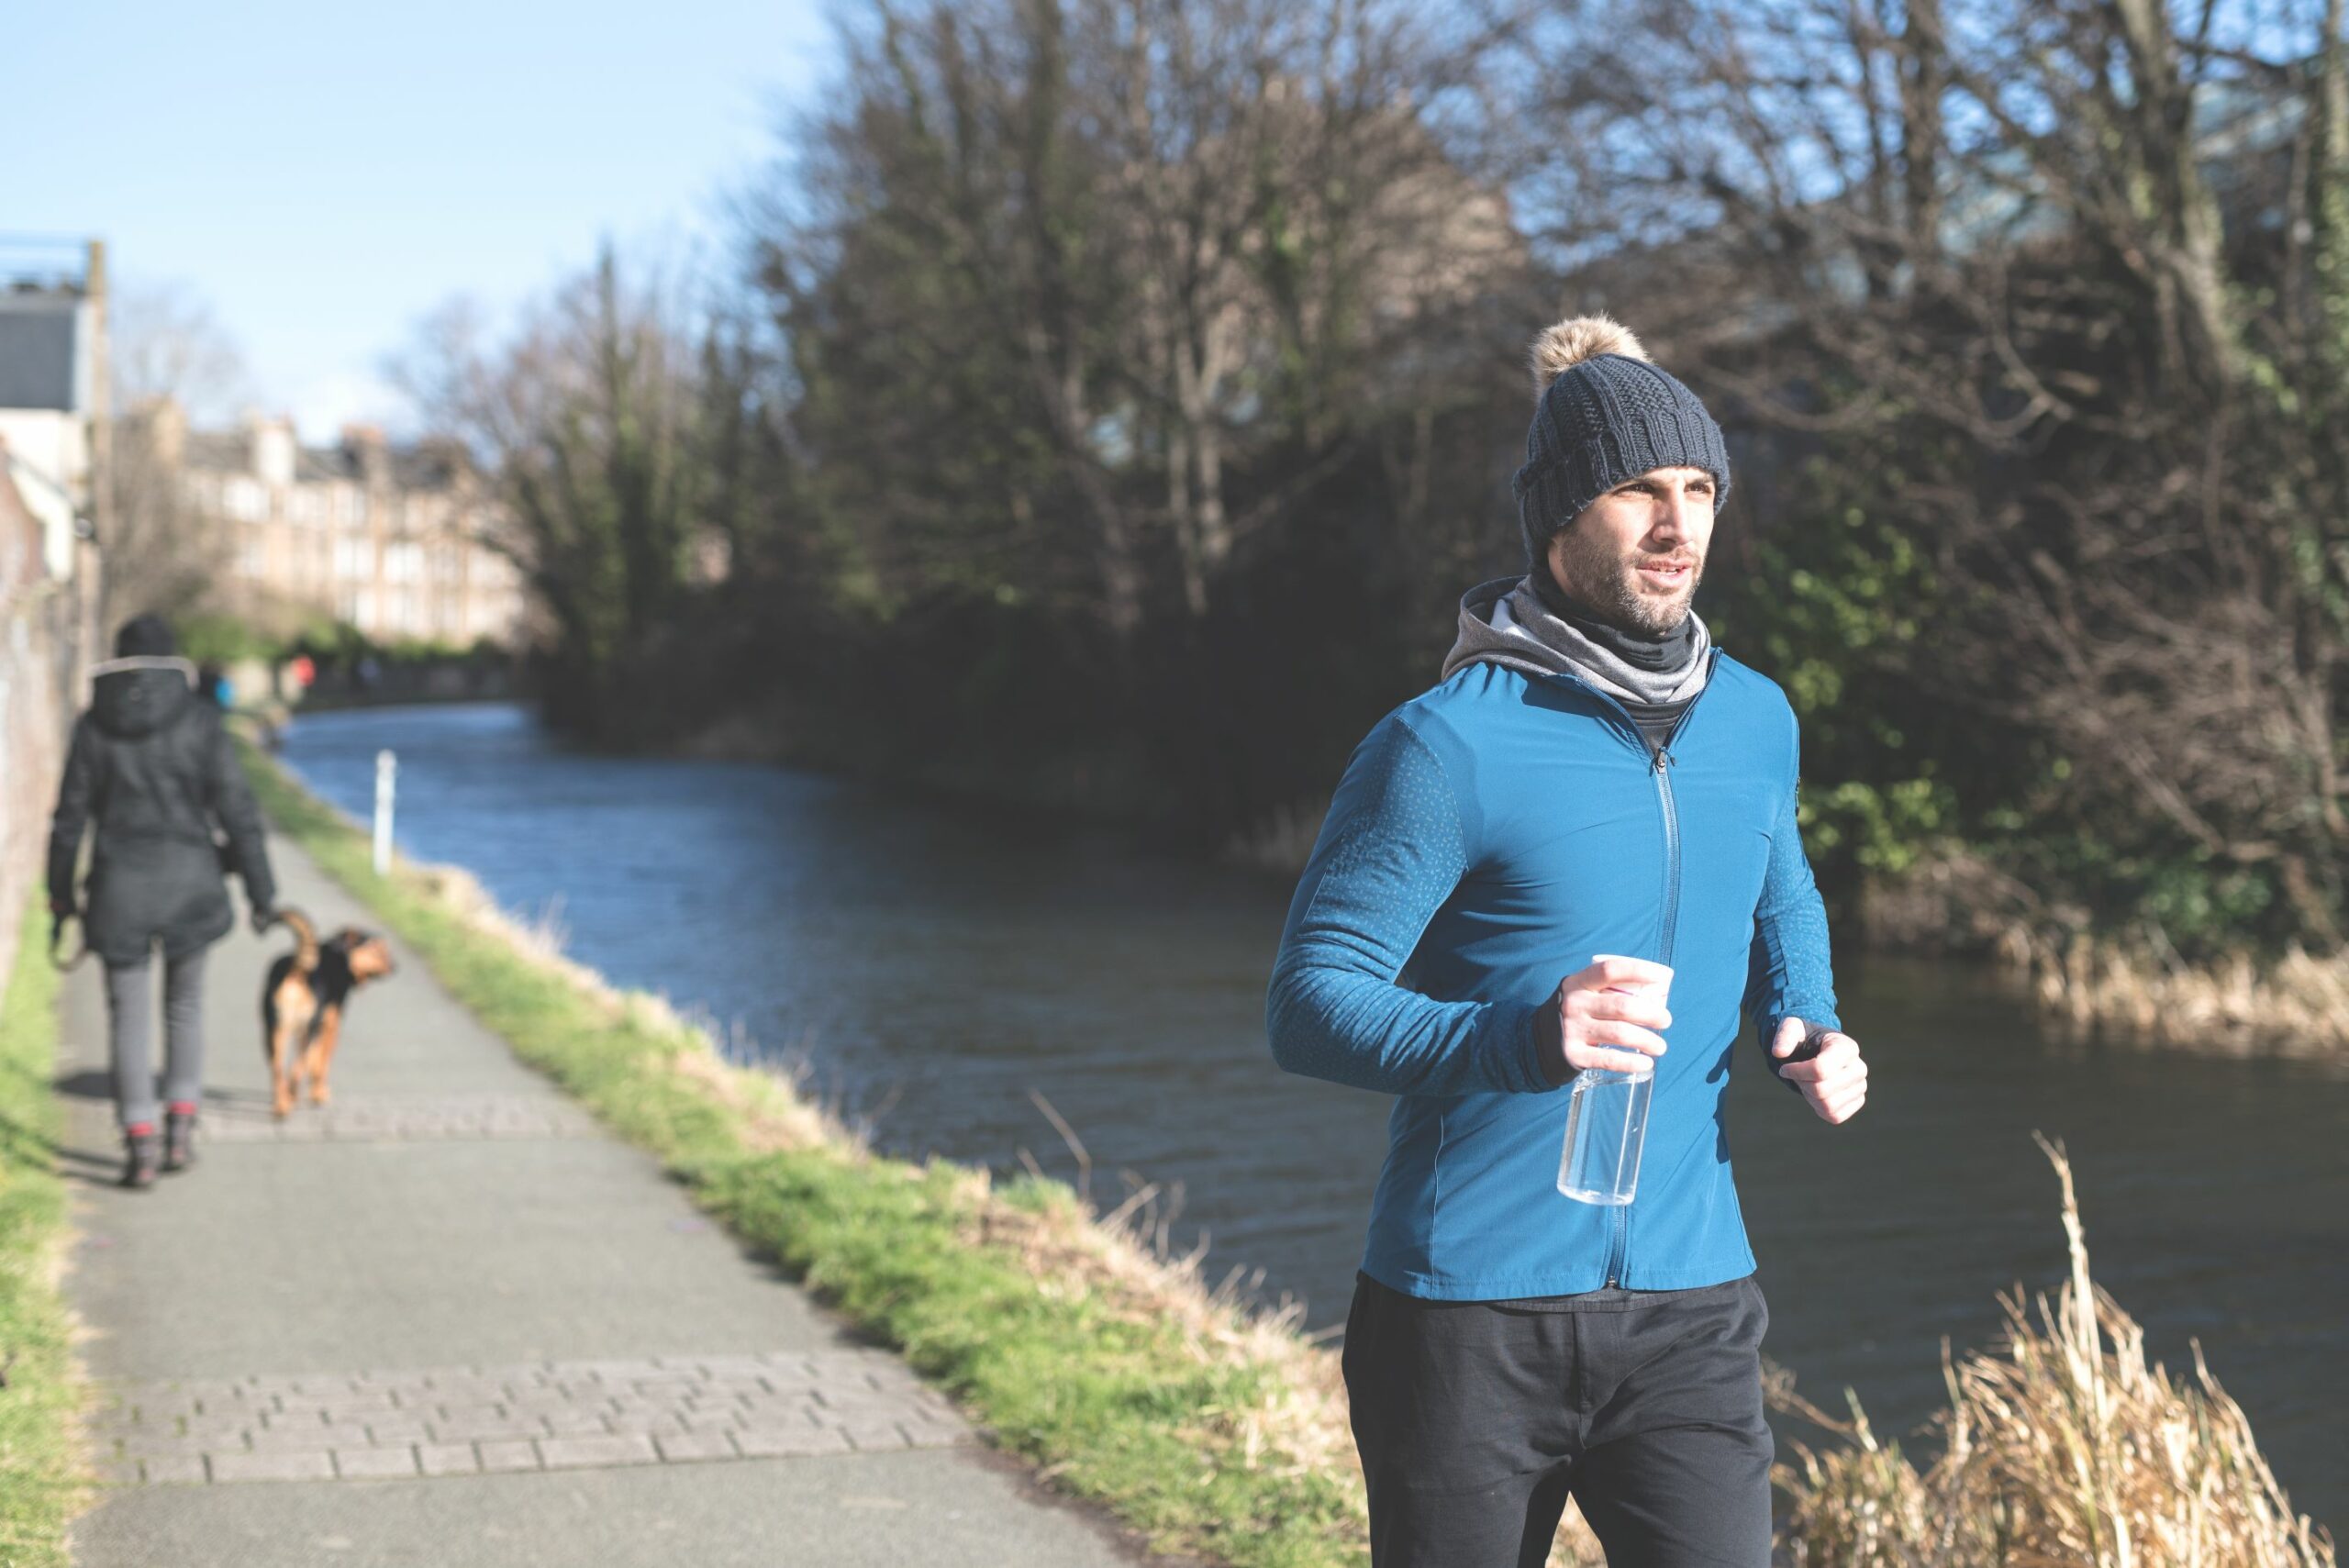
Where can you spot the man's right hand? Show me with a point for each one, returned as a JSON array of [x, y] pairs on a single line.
[[1587, 1022]]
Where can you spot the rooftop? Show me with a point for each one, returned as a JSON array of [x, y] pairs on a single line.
[[408, 467], [44, 348]]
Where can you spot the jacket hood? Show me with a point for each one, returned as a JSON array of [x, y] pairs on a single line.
[[1490, 634], [131, 697]]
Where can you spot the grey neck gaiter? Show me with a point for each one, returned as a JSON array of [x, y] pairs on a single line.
[[1643, 651], [1506, 622]]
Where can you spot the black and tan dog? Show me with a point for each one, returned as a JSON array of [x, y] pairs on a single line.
[[303, 1002]]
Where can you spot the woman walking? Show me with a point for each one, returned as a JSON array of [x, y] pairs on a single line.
[[150, 770]]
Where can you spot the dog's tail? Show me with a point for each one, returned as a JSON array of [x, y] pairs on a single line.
[[305, 957]]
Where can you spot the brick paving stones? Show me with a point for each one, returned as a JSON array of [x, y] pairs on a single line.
[[549, 1414], [386, 1117]]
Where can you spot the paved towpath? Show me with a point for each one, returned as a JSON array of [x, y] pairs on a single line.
[[448, 1321]]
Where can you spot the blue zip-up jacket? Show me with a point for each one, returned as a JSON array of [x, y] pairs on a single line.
[[1488, 837]]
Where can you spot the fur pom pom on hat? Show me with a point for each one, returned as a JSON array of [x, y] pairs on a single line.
[[1561, 347], [1604, 414]]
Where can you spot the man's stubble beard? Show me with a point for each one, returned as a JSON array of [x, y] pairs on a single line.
[[1607, 583]]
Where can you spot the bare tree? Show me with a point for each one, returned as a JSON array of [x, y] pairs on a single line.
[[1204, 235], [1290, 221], [167, 344], [584, 421], [171, 361]]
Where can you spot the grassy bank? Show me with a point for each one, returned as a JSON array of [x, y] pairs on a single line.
[[2294, 1006], [2130, 985], [42, 1482], [1219, 1430]]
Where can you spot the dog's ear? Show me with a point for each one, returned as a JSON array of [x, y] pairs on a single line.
[[371, 957], [346, 939]]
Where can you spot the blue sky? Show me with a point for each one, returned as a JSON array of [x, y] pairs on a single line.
[[320, 176]]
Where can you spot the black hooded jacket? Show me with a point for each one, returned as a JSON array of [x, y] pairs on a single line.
[[151, 768]]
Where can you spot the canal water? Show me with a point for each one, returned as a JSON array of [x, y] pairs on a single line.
[[931, 966]]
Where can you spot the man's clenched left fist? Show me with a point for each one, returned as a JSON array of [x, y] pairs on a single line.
[[1833, 1079]]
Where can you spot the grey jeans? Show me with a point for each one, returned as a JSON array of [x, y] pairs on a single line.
[[130, 1018]]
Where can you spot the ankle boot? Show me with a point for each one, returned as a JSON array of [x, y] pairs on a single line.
[[179, 1140], [138, 1164]]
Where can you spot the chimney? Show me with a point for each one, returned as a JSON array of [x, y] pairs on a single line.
[[364, 448], [160, 427], [164, 424], [272, 446]]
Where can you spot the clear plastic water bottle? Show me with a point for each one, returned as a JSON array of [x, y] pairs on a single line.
[[1606, 1120], [1607, 1124]]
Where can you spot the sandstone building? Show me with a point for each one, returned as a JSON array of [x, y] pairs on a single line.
[[390, 538]]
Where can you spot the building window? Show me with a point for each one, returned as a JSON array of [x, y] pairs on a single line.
[[245, 500]]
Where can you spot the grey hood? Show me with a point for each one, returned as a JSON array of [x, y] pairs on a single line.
[[136, 696], [1505, 622]]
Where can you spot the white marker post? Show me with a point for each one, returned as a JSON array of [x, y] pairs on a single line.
[[387, 767]]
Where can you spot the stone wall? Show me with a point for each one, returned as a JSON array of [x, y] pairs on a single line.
[[45, 630]]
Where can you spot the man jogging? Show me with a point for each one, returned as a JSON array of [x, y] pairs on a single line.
[[1591, 776]]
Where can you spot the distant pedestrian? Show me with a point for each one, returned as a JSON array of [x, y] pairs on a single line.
[[1591, 776], [151, 772]]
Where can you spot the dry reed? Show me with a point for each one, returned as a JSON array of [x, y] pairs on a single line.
[[2133, 982], [2060, 1446], [2298, 1005]]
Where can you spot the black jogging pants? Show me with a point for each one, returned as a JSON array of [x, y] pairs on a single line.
[[1476, 1419]]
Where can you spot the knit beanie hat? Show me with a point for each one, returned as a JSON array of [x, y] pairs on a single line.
[[148, 635], [1604, 415]]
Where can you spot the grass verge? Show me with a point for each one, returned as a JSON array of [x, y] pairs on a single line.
[[42, 1485]]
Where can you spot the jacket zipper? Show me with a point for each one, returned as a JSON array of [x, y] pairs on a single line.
[[1660, 767]]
